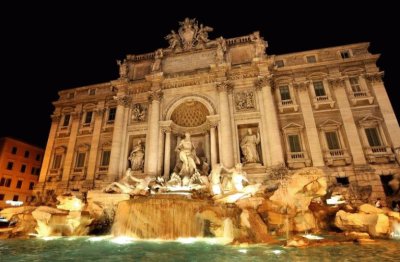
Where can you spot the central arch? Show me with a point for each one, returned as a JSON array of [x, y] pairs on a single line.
[[188, 100]]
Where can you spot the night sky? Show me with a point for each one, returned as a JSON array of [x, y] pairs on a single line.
[[46, 51]]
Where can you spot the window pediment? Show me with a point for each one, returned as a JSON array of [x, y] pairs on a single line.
[[370, 120], [292, 127], [330, 125]]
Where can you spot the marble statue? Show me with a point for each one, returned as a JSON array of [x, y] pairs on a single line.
[[248, 145], [137, 156], [202, 35], [260, 44], [156, 66], [130, 185], [238, 177], [215, 179], [123, 68], [174, 40], [221, 49], [187, 154]]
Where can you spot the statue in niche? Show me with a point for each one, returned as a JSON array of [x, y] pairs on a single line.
[[137, 156], [187, 155], [123, 68], [221, 49], [138, 113], [156, 66], [248, 145]]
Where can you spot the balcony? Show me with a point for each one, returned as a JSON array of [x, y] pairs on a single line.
[[288, 105], [379, 154], [337, 157], [78, 173], [323, 102], [101, 172], [64, 131], [361, 97], [86, 129], [298, 160], [54, 175]]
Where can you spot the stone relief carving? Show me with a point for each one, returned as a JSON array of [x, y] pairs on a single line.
[[244, 100], [189, 35], [136, 156], [139, 113]]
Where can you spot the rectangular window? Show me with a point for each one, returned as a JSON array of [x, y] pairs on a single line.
[[32, 170], [285, 93], [345, 54], [294, 143], [88, 117], [2, 181], [10, 165], [37, 171], [19, 184], [80, 159], [111, 113], [57, 161], [37, 157], [279, 63], [355, 85], [344, 181], [373, 137], [23, 168], [319, 88], [8, 182], [105, 158], [66, 120], [26, 154], [13, 150], [31, 185], [15, 198], [1, 196], [332, 140], [311, 59]]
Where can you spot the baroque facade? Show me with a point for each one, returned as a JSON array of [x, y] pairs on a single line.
[[325, 108]]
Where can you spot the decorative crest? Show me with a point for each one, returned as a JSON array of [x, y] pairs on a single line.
[[189, 35]]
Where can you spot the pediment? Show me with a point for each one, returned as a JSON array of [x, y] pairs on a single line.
[[292, 125], [329, 123]]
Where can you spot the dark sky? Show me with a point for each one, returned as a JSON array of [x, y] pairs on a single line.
[[46, 51]]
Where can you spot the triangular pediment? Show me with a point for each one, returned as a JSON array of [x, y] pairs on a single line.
[[292, 125], [330, 122], [369, 119]]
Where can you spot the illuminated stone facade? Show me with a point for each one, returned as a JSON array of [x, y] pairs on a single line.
[[326, 108]]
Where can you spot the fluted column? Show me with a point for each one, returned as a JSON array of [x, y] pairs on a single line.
[[226, 150], [95, 142], [276, 150], [50, 143], [386, 108], [71, 143], [167, 153], [356, 149], [153, 133], [123, 101], [213, 142], [309, 122]]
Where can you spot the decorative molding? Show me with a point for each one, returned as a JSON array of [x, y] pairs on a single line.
[[264, 81], [123, 100], [374, 77], [301, 85], [156, 95], [337, 81], [198, 97], [224, 86], [245, 100]]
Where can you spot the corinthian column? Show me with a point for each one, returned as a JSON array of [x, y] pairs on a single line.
[[167, 153], [272, 125], [226, 149], [123, 101], [153, 133]]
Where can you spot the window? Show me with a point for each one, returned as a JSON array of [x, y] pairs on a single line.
[[319, 88], [19, 184], [23, 168], [355, 85], [31, 185], [92, 92], [345, 54], [373, 137], [1, 196], [105, 158], [26, 154], [332, 140], [344, 181], [80, 159], [311, 59], [88, 117], [294, 143], [15, 198], [10, 165], [285, 93], [14, 150], [32, 170], [111, 113], [2, 181], [66, 120], [57, 161], [386, 186], [37, 157], [279, 63], [8, 182], [37, 171], [71, 95]]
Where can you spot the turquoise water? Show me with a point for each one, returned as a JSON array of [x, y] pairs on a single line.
[[86, 249]]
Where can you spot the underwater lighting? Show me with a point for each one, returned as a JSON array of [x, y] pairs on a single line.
[[277, 252], [312, 237], [244, 251], [122, 240], [49, 238]]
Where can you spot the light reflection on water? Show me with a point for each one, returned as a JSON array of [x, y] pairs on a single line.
[[110, 249]]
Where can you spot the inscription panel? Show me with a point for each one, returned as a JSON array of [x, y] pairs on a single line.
[[188, 62]]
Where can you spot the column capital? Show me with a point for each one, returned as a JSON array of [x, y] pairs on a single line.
[[224, 86], [156, 95], [374, 77], [264, 81], [123, 100]]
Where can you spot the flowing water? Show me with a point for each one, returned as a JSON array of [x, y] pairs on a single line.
[[125, 249]]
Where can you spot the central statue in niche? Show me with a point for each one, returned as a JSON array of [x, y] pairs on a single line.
[[187, 155]]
